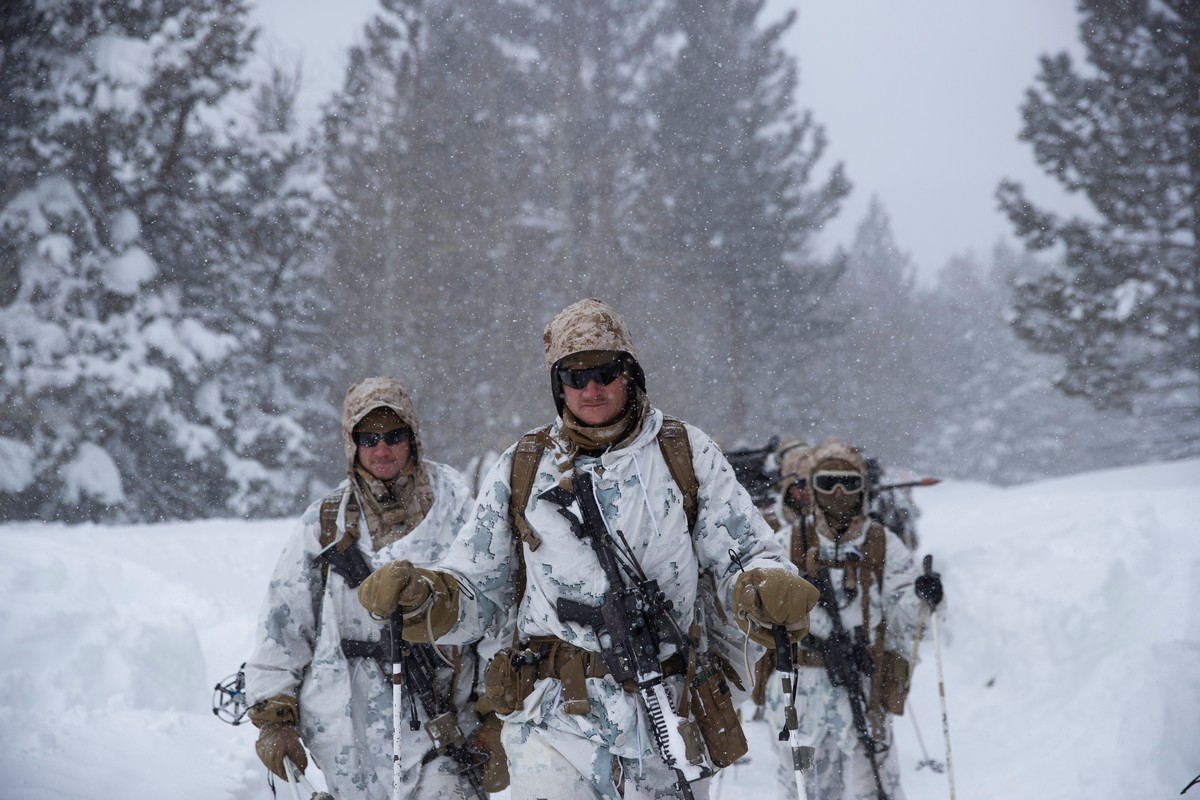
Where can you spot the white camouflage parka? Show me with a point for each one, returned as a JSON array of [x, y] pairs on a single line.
[[638, 497], [346, 704]]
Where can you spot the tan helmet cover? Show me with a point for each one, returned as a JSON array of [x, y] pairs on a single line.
[[792, 457], [842, 454], [369, 394], [587, 325]]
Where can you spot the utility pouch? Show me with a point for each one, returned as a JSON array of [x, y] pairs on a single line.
[[894, 685], [716, 716], [443, 730], [510, 678]]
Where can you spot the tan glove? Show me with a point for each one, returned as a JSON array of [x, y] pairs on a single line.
[[486, 741], [277, 718], [763, 598], [400, 585]]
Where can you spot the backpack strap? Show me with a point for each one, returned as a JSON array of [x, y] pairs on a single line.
[[875, 553], [525, 462], [677, 450]]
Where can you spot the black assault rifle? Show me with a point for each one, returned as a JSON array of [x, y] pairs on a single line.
[[631, 622], [846, 659]]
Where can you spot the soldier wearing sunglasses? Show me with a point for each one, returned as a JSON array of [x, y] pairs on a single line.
[[320, 676], [872, 582]]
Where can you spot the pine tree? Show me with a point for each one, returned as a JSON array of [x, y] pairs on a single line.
[[125, 203], [1123, 309], [866, 375], [429, 171], [997, 416], [734, 204]]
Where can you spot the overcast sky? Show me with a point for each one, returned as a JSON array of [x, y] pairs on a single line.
[[920, 100]]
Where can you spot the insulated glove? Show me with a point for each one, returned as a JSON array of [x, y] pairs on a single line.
[[486, 741], [276, 718], [763, 598], [400, 585], [397, 584], [929, 588]]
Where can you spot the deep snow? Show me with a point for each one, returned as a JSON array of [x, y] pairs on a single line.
[[1071, 642]]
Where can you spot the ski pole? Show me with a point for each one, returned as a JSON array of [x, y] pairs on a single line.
[[296, 777], [397, 630], [922, 616], [937, 649], [926, 761], [802, 757], [293, 777]]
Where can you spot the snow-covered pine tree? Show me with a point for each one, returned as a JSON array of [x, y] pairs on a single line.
[[732, 206], [1123, 308], [275, 400], [865, 378], [430, 171], [993, 411], [121, 208]]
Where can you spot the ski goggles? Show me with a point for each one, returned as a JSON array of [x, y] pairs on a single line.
[[603, 374], [393, 437], [828, 480]]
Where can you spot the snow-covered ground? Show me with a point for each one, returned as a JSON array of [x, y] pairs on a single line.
[[1070, 636]]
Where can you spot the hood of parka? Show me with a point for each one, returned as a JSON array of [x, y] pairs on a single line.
[[793, 458], [589, 324], [836, 450], [381, 392]]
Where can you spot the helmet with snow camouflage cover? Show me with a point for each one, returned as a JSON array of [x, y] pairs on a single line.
[[587, 326]]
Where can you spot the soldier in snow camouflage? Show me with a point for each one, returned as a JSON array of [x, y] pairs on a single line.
[[571, 730], [872, 573], [312, 677]]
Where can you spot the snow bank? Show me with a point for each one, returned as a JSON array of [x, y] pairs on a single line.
[[1071, 635]]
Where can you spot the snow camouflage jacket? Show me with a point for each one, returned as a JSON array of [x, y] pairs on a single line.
[[638, 497], [346, 704]]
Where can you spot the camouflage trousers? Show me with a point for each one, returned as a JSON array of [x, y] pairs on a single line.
[[842, 775], [547, 765]]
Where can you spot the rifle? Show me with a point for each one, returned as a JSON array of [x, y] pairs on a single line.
[[845, 659], [630, 623], [750, 469], [888, 487]]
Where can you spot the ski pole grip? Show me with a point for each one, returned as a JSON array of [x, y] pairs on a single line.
[[929, 564], [783, 649]]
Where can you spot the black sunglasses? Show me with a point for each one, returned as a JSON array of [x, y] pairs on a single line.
[[604, 374], [393, 438]]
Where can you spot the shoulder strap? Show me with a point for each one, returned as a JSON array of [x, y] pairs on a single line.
[[526, 458], [875, 553], [677, 450], [329, 513], [525, 462]]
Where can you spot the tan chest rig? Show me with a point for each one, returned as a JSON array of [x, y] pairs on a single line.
[[890, 674]]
